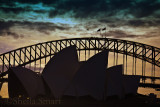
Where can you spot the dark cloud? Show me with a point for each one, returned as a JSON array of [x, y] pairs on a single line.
[[144, 23], [12, 34], [7, 2], [13, 10], [145, 8], [106, 21], [102, 10], [52, 13], [132, 23], [5, 25], [12, 2], [79, 8], [119, 34], [123, 34], [91, 25], [88, 8], [5, 30], [40, 11], [113, 23], [43, 27], [106, 8], [18, 10]]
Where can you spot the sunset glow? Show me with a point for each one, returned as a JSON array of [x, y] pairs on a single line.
[[28, 22]]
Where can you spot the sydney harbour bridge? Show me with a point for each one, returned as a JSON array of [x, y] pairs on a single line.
[[36, 56]]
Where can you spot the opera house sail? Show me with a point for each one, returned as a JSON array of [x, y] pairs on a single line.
[[91, 75], [118, 84], [60, 70], [114, 81], [74, 89], [23, 82]]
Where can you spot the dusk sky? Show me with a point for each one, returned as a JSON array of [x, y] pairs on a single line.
[[27, 22]]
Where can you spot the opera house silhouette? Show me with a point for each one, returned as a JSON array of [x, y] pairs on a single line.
[[65, 75]]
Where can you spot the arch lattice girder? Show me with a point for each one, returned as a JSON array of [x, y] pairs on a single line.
[[26, 55]]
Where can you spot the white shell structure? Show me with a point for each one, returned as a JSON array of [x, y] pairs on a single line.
[[60, 70], [75, 89], [23, 81], [91, 75], [114, 81]]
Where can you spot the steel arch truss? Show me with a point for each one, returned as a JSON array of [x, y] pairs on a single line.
[[29, 54]]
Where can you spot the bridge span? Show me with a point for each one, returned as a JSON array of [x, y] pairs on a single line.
[[38, 55]]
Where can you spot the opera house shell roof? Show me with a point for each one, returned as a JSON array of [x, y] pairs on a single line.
[[91, 75], [25, 82], [64, 74], [114, 81], [60, 70]]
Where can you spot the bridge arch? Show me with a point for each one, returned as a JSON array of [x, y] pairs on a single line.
[[25, 55]]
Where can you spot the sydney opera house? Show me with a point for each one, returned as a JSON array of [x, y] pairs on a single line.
[[65, 75]]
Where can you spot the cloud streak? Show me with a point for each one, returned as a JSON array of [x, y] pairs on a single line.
[[122, 34], [131, 22], [42, 27], [87, 9]]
